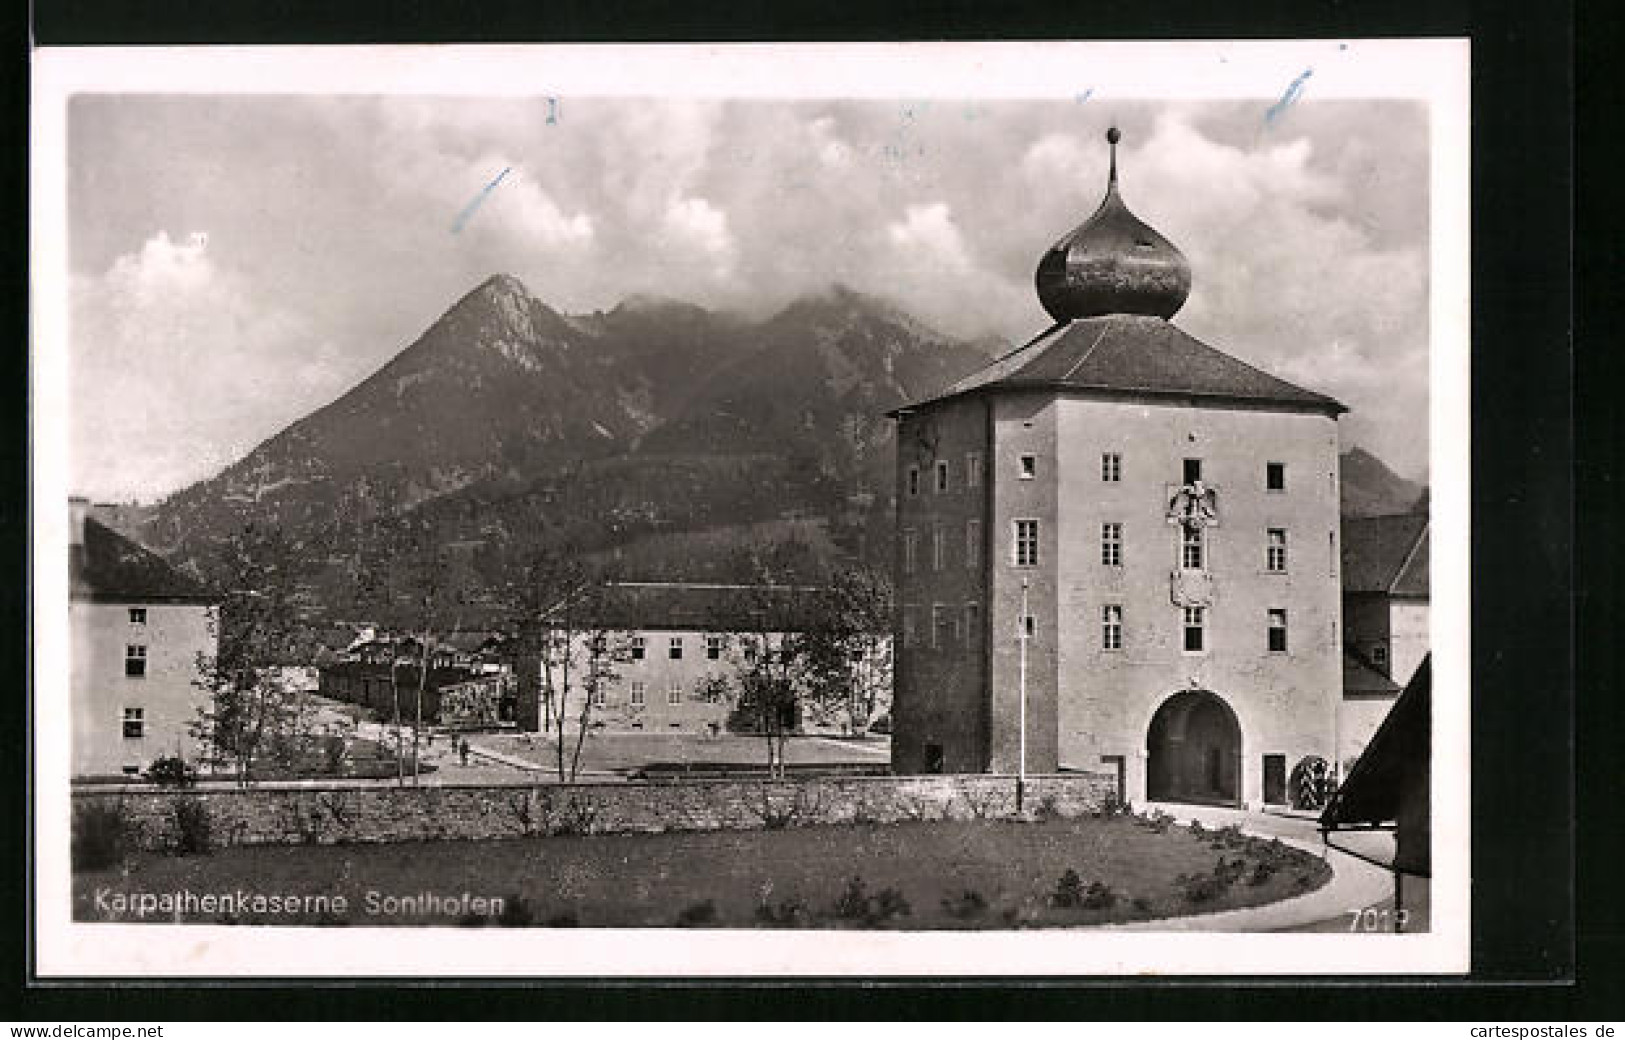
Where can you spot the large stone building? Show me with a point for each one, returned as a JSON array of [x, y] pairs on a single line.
[[1385, 619], [137, 628], [1135, 529]]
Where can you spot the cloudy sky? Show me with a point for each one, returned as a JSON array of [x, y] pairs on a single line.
[[237, 262]]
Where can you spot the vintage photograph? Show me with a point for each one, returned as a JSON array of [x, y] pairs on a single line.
[[845, 509]]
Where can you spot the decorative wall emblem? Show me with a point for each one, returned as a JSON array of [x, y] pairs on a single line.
[[1194, 505], [1191, 588]]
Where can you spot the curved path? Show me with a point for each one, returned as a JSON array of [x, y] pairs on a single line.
[[1354, 884]]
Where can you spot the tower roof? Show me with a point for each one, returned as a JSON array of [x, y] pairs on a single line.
[[1134, 355], [1111, 284], [1113, 263]]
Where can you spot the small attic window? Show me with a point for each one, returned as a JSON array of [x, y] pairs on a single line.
[[1143, 244]]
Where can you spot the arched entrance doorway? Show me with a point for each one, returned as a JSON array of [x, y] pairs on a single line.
[[1194, 746]]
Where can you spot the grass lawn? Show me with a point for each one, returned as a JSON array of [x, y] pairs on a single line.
[[948, 874]]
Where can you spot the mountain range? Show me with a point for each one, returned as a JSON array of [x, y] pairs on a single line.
[[660, 434]]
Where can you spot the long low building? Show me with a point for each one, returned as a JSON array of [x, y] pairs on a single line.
[[672, 656], [462, 689]]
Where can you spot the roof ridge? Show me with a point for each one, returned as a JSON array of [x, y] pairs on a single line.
[[1085, 357], [1410, 555]]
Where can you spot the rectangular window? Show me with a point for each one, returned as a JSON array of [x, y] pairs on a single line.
[[640, 693], [973, 623], [1026, 543], [939, 548], [1331, 554], [942, 475], [138, 615], [1275, 556], [600, 697], [940, 620], [135, 661], [1029, 467], [1274, 476], [1191, 546], [713, 648], [674, 693], [1029, 627], [973, 469], [911, 550], [1111, 467], [675, 649], [913, 481], [908, 627], [973, 543], [713, 693], [1277, 631], [1193, 470], [1379, 654], [1195, 629], [1111, 544], [135, 723], [640, 646], [1111, 627]]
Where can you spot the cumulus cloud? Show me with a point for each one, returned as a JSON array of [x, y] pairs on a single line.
[[177, 369], [332, 241]]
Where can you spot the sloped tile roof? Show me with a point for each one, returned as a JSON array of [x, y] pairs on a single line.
[[695, 607], [1362, 678], [109, 567], [1387, 554], [1133, 354]]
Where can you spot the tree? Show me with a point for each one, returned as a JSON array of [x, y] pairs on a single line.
[[850, 645], [255, 711], [774, 627], [567, 629]]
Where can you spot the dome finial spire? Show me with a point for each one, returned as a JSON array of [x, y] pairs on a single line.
[[1112, 263]]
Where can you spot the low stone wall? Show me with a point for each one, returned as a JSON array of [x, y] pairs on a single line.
[[348, 813]]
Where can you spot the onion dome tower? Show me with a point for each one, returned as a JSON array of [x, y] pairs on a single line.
[[1113, 263]]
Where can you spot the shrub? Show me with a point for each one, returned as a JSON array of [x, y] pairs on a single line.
[[1229, 871], [1262, 872], [1114, 806], [1069, 891], [1099, 897], [789, 912], [193, 829], [968, 905], [577, 817], [1156, 821], [1231, 838], [171, 771], [1141, 904], [516, 912], [1201, 888], [856, 904], [1049, 808], [698, 915], [100, 832]]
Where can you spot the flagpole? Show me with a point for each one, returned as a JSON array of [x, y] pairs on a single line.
[[1021, 761]]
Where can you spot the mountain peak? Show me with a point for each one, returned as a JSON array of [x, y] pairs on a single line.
[[501, 284]]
